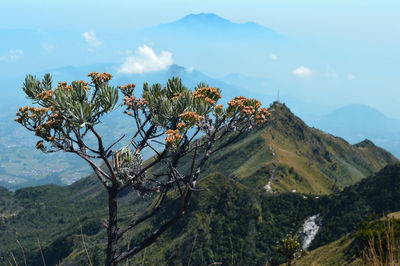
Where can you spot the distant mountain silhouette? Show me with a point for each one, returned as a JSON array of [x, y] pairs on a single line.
[[356, 122], [213, 23]]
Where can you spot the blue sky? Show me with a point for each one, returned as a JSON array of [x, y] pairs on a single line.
[[355, 19], [357, 41]]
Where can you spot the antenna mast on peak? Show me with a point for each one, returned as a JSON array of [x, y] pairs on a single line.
[[278, 96]]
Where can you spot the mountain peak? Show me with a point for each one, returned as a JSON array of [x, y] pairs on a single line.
[[203, 18], [364, 144], [209, 22]]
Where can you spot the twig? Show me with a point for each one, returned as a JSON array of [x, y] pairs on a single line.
[[12, 255], [41, 253], [230, 239], [23, 253], [129, 245], [106, 151], [144, 256], [84, 246], [194, 243]]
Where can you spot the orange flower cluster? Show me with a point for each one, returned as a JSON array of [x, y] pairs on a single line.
[[218, 107], [250, 107], [30, 112], [26, 109], [261, 116], [127, 89], [45, 95], [209, 94], [191, 116], [132, 102], [176, 96], [241, 102], [128, 100], [42, 117], [180, 125], [173, 136], [99, 79], [43, 130], [64, 86], [141, 102], [84, 84], [248, 110]]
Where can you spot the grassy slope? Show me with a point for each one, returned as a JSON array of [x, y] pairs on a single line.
[[233, 220], [339, 252], [226, 218], [306, 159], [333, 254]]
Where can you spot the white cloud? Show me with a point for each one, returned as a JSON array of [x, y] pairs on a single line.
[[274, 57], [146, 60], [91, 38], [190, 69], [13, 54], [351, 76], [49, 48], [302, 72]]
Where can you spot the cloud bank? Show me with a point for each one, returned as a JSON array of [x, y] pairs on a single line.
[[146, 60], [91, 38], [302, 72]]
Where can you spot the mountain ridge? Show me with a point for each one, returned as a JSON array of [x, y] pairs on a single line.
[[299, 157], [232, 200], [356, 122], [207, 20]]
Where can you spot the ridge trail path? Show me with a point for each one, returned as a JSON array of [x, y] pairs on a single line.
[[268, 186]]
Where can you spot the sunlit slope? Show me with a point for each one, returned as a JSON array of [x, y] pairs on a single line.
[[288, 155]]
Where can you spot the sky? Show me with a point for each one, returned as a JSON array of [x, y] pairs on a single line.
[[358, 39], [355, 20]]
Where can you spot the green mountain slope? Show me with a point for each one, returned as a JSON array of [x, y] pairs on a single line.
[[297, 157], [234, 224], [343, 214], [233, 220]]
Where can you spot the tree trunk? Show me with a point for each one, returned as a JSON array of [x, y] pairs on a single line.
[[112, 229]]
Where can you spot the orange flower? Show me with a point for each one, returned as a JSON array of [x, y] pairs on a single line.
[[262, 115], [173, 136], [180, 125], [209, 100], [100, 78], [218, 107], [207, 92], [127, 87], [176, 96], [45, 95], [189, 116]]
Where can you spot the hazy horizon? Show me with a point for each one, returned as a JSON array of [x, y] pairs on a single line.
[[333, 54]]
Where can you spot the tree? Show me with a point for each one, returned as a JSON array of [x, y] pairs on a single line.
[[172, 121], [290, 248]]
